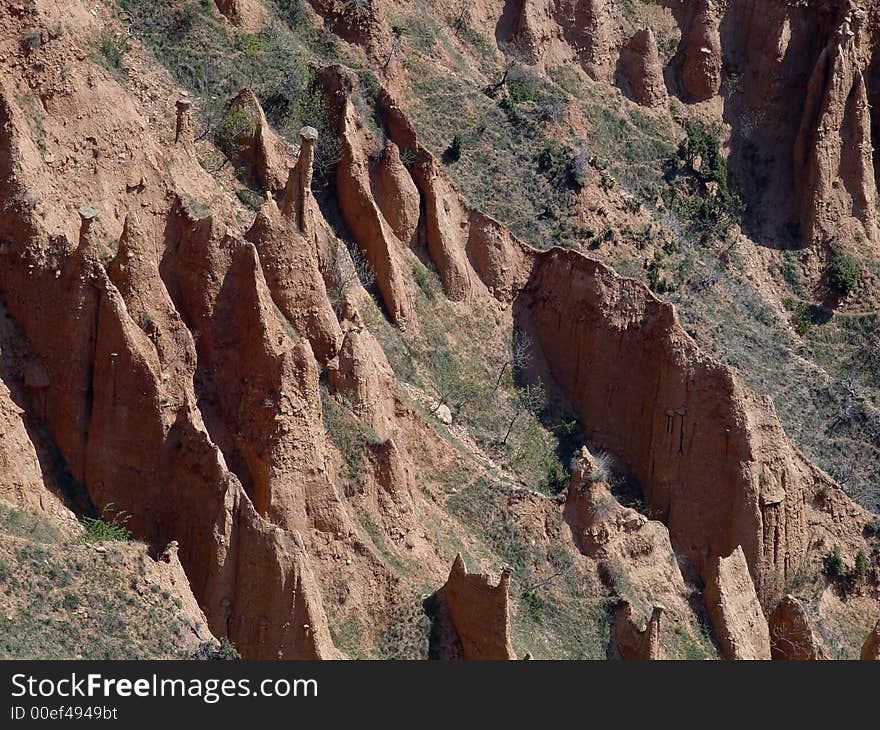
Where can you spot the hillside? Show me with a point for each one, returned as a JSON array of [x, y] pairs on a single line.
[[448, 330]]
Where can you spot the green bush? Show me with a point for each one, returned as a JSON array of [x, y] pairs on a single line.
[[804, 315], [843, 274], [522, 86], [453, 152], [701, 190], [235, 124], [109, 527], [249, 198], [309, 109], [407, 157], [534, 605], [832, 563], [658, 283], [861, 566], [557, 477]]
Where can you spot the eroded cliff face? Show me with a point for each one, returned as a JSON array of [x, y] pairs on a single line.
[[834, 175], [181, 357], [588, 320], [582, 31]]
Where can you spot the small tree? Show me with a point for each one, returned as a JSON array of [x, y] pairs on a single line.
[[511, 61], [861, 567], [461, 19], [235, 124], [453, 152], [529, 399], [398, 31], [312, 110], [109, 527], [450, 388]]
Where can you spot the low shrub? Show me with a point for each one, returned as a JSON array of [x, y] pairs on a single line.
[[843, 274], [109, 527], [832, 563]]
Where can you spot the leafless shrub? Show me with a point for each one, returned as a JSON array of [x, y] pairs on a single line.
[[344, 269]]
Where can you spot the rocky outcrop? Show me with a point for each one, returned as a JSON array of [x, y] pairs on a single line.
[[120, 386], [496, 256], [249, 15], [395, 193], [147, 456], [362, 374], [252, 578], [791, 634], [374, 235], [135, 274], [701, 59], [581, 31], [471, 616], [446, 223], [740, 627], [669, 413], [643, 69], [365, 24], [633, 642], [255, 144], [180, 378], [290, 265], [26, 462], [871, 647], [446, 215], [184, 131], [259, 386], [298, 202], [833, 160], [634, 553]]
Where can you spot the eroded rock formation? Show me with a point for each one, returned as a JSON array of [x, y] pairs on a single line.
[[635, 555], [643, 69], [362, 215], [114, 364], [254, 142], [791, 635], [445, 213], [871, 647], [583, 31], [471, 616], [249, 15], [633, 642], [291, 268], [740, 627], [834, 173], [395, 193], [701, 61], [182, 378]]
